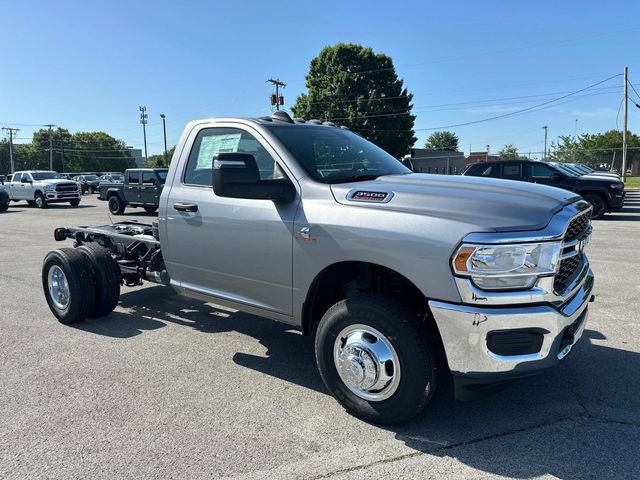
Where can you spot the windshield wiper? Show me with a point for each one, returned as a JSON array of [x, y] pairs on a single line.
[[360, 177]]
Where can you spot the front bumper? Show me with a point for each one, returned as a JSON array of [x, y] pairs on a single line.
[[465, 331], [616, 200], [61, 196]]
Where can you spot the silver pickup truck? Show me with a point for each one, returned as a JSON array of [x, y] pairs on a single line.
[[400, 277], [39, 188]]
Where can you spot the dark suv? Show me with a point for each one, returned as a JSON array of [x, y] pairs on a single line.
[[603, 193]]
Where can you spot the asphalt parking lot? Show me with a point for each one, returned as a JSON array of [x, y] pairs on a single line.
[[173, 388]]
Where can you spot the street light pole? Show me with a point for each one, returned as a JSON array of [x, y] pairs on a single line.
[[544, 155], [164, 130]]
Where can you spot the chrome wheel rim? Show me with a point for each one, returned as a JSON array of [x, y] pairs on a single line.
[[58, 287], [366, 362], [39, 201]]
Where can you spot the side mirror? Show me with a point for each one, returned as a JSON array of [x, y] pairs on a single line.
[[236, 175], [557, 176], [25, 180]]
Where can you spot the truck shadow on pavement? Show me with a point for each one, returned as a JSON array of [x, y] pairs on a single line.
[[581, 419]]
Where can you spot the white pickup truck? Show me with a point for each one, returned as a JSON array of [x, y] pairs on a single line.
[[39, 188]]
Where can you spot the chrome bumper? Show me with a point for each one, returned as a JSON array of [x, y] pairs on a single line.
[[52, 196], [464, 330]]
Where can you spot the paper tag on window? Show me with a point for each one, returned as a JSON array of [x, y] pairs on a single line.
[[214, 144]]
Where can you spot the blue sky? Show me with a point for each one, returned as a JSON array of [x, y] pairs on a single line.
[[88, 66]]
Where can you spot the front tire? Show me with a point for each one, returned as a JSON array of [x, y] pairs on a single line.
[[68, 285], [40, 201], [599, 204], [376, 357], [74, 203], [4, 206], [107, 278], [116, 207]]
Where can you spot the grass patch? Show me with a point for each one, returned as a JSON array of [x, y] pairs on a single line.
[[632, 182]]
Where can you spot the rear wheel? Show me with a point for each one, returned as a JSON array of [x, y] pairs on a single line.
[[107, 278], [598, 202], [116, 207], [75, 203], [40, 201], [4, 206], [68, 285], [376, 357], [150, 209]]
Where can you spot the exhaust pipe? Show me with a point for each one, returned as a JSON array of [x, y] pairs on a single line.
[[161, 277]]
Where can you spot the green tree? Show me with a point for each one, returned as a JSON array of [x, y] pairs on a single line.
[[595, 149], [351, 85], [157, 161], [442, 141], [510, 152], [96, 152]]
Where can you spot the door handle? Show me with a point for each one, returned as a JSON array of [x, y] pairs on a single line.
[[185, 207]]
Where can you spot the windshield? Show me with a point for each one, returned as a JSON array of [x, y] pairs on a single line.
[[584, 168], [162, 175], [45, 175], [567, 169], [334, 155], [90, 177]]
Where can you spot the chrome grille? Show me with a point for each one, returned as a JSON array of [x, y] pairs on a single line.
[[578, 227], [66, 187], [569, 268]]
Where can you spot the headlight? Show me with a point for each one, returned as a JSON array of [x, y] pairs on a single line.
[[506, 267], [617, 186], [49, 188]]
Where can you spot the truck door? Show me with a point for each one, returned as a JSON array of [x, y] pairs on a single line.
[[15, 188], [149, 188], [132, 187], [231, 248], [25, 187]]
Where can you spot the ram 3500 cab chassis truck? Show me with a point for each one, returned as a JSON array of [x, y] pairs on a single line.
[[394, 272]]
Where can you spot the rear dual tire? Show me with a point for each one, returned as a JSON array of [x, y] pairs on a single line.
[[80, 283]]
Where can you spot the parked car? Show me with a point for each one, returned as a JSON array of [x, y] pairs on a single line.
[[605, 194], [88, 183], [580, 169], [141, 188], [4, 198], [314, 226], [39, 188], [112, 178]]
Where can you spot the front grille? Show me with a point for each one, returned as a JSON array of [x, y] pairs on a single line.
[[578, 227], [66, 187], [569, 267]]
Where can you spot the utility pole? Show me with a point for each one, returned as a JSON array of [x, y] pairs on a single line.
[[50, 146], [164, 130], [11, 131], [624, 128], [277, 99], [544, 154], [143, 121]]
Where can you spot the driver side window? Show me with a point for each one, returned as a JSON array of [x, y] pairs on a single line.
[[212, 141]]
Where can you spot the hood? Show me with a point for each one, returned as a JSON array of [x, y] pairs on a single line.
[[591, 177], [54, 181], [490, 204]]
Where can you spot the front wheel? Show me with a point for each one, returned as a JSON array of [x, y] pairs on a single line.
[[74, 203], [376, 357], [4, 206], [40, 201], [116, 207], [599, 204]]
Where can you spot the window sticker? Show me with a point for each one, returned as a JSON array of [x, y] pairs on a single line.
[[214, 144]]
